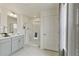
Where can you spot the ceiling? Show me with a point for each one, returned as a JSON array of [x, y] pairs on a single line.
[[29, 9]]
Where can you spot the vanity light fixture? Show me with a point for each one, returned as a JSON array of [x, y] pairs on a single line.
[[12, 14]]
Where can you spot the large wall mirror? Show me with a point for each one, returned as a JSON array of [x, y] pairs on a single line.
[[12, 22]]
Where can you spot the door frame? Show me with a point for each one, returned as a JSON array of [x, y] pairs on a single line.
[[66, 30]]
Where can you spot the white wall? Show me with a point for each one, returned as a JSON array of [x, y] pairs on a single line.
[[3, 21], [4, 17], [77, 31], [72, 29], [20, 23]]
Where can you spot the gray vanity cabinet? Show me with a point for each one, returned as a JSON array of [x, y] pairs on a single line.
[[5, 47], [17, 43], [9, 45], [21, 41]]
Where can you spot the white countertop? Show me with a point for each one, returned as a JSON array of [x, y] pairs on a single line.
[[10, 36]]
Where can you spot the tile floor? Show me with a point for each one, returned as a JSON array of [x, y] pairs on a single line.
[[29, 50]]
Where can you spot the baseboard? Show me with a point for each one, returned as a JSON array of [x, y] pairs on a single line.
[[52, 50]]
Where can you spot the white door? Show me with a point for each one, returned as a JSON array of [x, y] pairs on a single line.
[[50, 32]]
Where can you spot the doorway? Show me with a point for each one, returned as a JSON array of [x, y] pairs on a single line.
[[43, 30]]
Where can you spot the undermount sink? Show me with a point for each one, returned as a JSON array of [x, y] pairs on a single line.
[[4, 35]]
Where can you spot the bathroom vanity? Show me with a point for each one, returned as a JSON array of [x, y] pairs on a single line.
[[11, 44]]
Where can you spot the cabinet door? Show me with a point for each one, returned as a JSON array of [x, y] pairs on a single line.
[[15, 45], [5, 47], [21, 41]]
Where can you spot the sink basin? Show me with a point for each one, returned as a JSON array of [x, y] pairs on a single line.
[[4, 35]]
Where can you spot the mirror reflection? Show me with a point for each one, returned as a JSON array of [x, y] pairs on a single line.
[[12, 23]]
